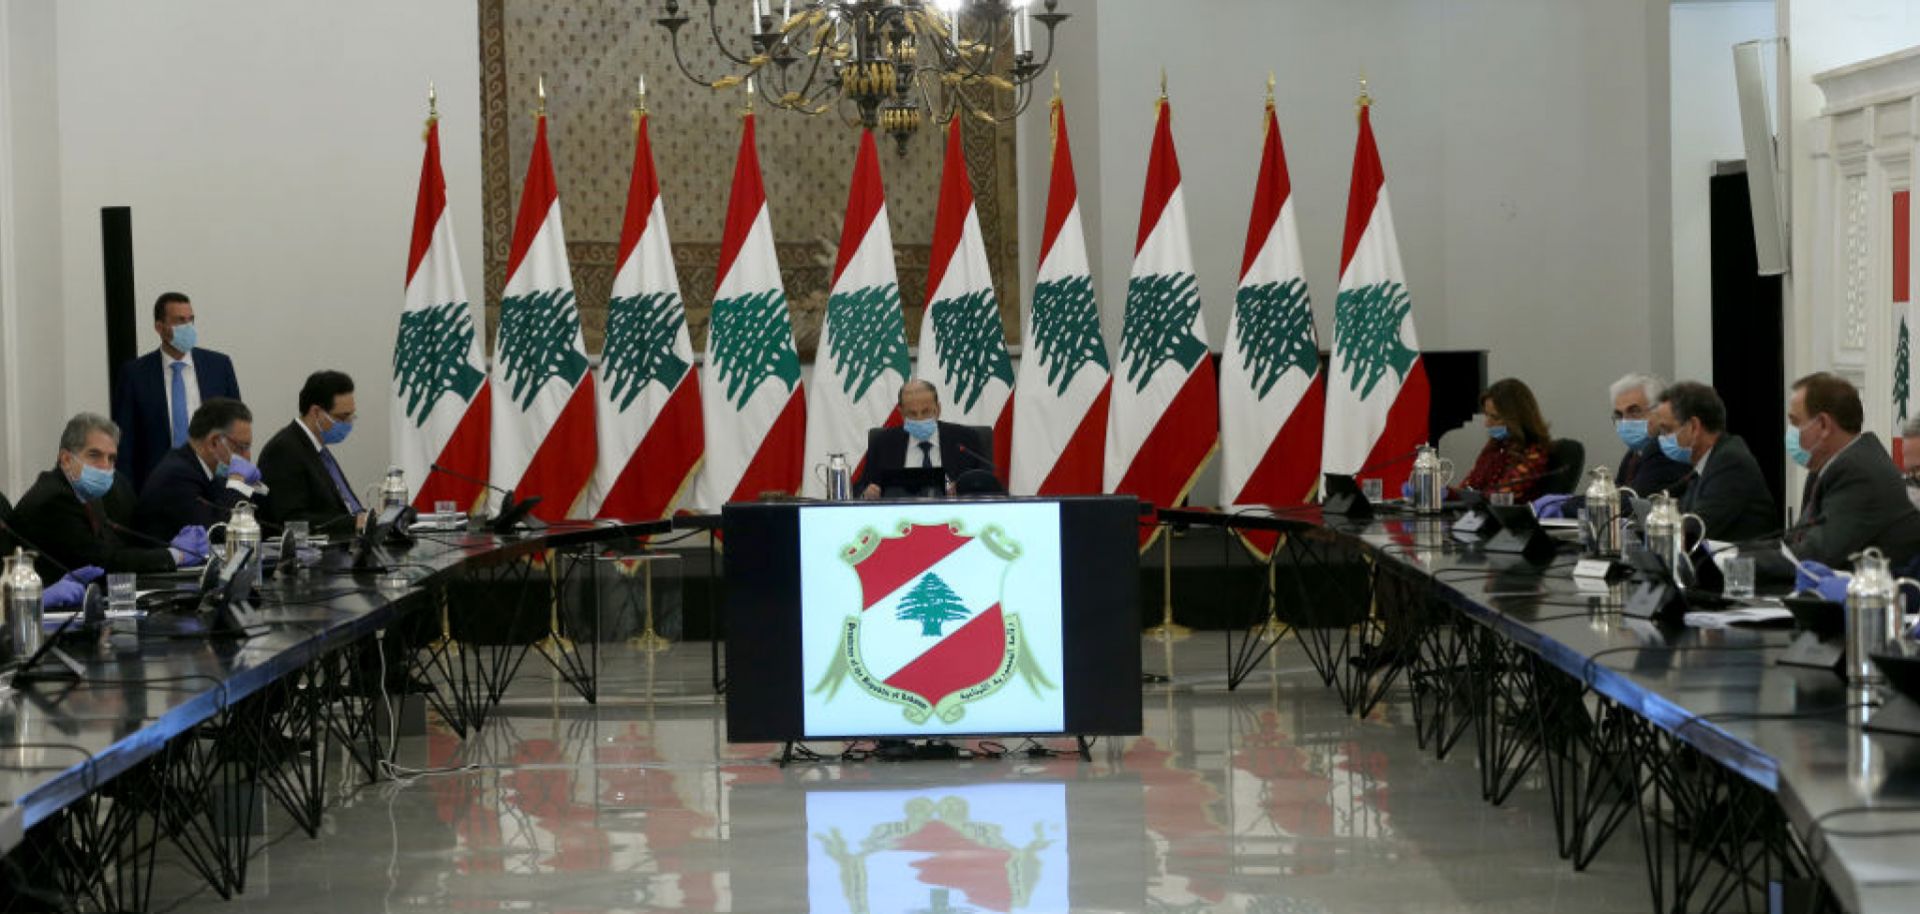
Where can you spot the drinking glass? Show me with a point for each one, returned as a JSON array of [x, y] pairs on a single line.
[[1501, 499], [446, 507], [1373, 489], [299, 539], [1739, 575], [120, 592]]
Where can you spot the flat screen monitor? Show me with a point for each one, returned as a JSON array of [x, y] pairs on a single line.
[[991, 617]]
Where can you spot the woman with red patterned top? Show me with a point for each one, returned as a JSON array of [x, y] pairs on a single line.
[[1516, 454]]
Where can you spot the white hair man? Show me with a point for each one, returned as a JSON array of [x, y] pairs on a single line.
[[1643, 469]]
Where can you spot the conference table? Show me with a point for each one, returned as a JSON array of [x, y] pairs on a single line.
[[1742, 774], [174, 733]]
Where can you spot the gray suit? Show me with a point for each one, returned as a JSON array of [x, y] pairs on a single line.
[[1858, 499]]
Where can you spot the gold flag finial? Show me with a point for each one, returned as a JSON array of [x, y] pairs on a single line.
[[433, 103], [640, 94], [1364, 100], [1163, 83], [1269, 88], [749, 109], [540, 88], [1053, 118]]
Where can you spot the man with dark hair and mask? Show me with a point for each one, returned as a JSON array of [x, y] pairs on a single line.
[[305, 480], [80, 512], [1727, 491]]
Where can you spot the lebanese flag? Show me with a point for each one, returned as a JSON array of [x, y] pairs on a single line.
[[543, 437], [862, 357], [1377, 397], [1060, 400], [1273, 395], [440, 402], [756, 414], [963, 346], [1165, 417], [648, 395]]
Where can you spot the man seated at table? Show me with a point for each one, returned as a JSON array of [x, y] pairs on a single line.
[[200, 481], [1910, 458], [1642, 468], [298, 463], [1727, 491], [80, 512], [923, 441], [1854, 496]]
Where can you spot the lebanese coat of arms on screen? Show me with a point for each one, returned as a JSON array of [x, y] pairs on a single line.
[[931, 633]]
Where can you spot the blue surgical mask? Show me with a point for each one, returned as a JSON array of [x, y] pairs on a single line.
[[1632, 432], [337, 432], [1497, 432], [185, 337], [94, 483], [922, 429], [1799, 454], [1670, 446]]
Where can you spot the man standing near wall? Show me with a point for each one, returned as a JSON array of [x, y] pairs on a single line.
[[155, 395]]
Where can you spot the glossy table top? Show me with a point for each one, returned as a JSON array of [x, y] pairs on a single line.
[[155, 678], [1791, 730]]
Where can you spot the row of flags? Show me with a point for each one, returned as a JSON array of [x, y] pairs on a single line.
[[650, 434]]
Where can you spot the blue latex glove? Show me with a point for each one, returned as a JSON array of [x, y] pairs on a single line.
[[1406, 490], [86, 574], [1551, 505], [64, 592], [1815, 578], [243, 468], [192, 543]]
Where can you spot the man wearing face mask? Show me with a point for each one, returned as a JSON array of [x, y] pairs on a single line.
[[1727, 492], [80, 511], [922, 441], [1643, 468], [299, 463], [155, 395], [201, 481], [1854, 496]]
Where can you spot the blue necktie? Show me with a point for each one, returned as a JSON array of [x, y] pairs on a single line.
[[177, 395], [340, 482]]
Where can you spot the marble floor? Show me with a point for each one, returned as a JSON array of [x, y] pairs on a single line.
[[1265, 799]]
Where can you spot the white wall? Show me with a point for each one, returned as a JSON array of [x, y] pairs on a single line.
[[1705, 124], [270, 153], [1525, 146], [1823, 35], [31, 338]]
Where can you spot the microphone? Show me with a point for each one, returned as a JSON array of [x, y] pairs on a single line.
[[968, 482], [1382, 462], [512, 514], [978, 457]]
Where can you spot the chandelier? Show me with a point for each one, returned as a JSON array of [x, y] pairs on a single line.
[[886, 64]]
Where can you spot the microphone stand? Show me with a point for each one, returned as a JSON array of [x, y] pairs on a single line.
[[512, 514]]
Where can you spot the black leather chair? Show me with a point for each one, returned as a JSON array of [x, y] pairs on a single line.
[[1566, 459]]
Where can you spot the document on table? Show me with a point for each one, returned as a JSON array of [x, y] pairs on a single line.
[[1744, 615]]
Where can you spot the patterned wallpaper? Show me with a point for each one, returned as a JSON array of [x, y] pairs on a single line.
[[591, 52]]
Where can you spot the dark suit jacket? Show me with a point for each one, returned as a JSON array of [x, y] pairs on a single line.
[[1650, 471], [172, 497], [887, 450], [73, 533], [299, 487], [1858, 499], [1731, 496], [140, 406]]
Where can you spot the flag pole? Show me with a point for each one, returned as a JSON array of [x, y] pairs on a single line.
[[1167, 630]]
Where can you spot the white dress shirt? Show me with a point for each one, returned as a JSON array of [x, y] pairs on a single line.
[[913, 450]]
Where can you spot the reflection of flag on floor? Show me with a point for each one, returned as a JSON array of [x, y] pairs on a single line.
[[1272, 394], [1060, 402], [649, 393], [1377, 394], [863, 341], [543, 438], [963, 347], [1165, 418], [440, 401], [755, 411]]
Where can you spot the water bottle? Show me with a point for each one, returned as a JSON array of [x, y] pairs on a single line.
[[1431, 474], [1667, 535], [1606, 522], [23, 611], [243, 532], [1873, 615], [393, 489], [839, 478]]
